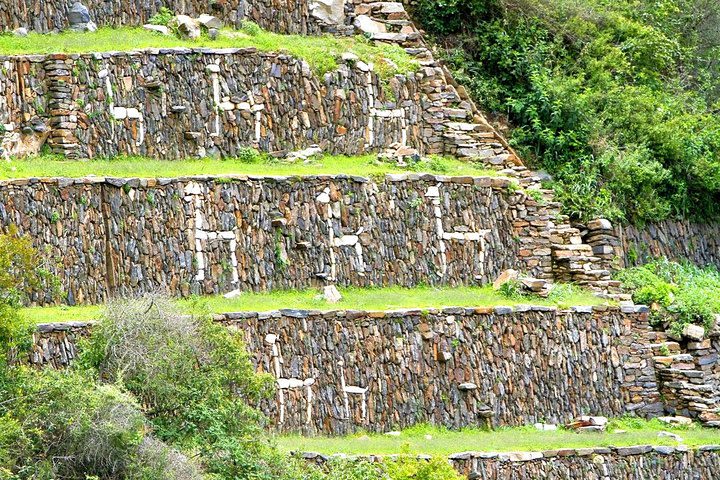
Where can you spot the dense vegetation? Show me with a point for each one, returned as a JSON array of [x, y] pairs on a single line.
[[617, 100], [156, 395], [678, 293]]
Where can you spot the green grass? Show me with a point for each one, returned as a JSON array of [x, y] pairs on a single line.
[[366, 166], [445, 442], [321, 52], [353, 299]]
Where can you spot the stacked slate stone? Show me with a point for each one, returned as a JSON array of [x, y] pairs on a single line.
[[55, 344], [61, 105], [602, 463], [673, 239], [689, 381], [640, 381]]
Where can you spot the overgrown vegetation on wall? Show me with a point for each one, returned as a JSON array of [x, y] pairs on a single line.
[[617, 100], [678, 293]]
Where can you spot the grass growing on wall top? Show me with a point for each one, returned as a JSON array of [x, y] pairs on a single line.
[[353, 299], [446, 442], [254, 164], [321, 52]]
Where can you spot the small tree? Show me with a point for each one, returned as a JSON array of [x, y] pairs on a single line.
[[193, 378]]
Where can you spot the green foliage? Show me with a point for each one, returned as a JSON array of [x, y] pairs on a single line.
[[680, 293], [249, 155], [512, 290], [407, 468], [162, 17], [21, 273], [617, 100], [250, 28]]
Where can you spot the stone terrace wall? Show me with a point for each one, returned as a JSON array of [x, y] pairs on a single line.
[[642, 462], [182, 103], [280, 105], [674, 239], [623, 463], [282, 16], [341, 371], [107, 237]]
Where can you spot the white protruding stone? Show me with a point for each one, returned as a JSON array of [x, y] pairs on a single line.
[[210, 21], [331, 294], [331, 12], [432, 192], [367, 25], [120, 113], [270, 338]]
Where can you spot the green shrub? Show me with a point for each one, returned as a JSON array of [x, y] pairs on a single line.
[[193, 378], [408, 468], [598, 94], [162, 17], [68, 426], [680, 292], [250, 28], [249, 155]]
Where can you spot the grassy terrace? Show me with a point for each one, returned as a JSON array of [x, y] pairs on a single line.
[[321, 52], [621, 433], [55, 166], [353, 299]]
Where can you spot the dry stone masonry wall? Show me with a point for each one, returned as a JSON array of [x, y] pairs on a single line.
[[282, 16], [138, 103], [639, 462], [108, 236], [341, 371], [673, 239]]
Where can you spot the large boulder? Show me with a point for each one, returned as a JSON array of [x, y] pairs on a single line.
[[78, 14], [187, 27], [79, 19], [210, 21], [331, 12], [367, 25]]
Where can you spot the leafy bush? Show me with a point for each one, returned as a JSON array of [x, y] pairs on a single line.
[[250, 28], [680, 293], [407, 468], [162, 17], [62, 425], [249, 155], [616, 100]]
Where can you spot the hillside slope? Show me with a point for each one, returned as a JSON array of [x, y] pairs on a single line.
[[618, 100]]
